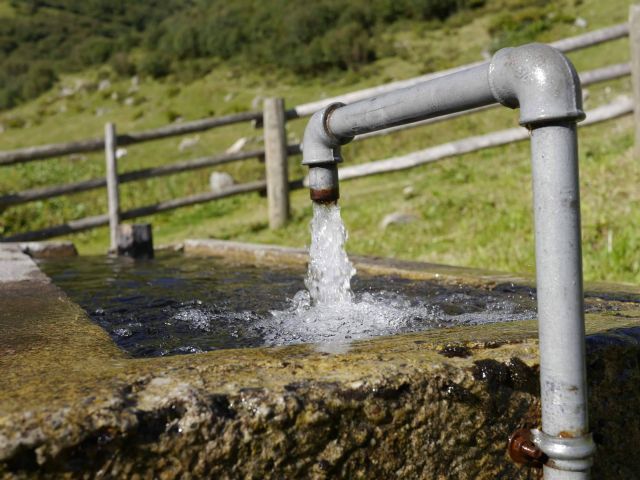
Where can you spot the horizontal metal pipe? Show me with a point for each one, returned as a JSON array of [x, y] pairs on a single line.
[[619, 107], [452, 93], [587, 78]]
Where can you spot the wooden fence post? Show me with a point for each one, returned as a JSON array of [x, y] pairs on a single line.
[[113, 194], [277, 170], [634, 44]]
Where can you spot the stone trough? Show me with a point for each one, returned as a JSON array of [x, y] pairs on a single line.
[[439, 404]]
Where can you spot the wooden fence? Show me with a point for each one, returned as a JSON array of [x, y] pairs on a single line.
[[273, 119]]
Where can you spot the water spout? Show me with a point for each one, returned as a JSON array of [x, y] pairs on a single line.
[[543, 83]]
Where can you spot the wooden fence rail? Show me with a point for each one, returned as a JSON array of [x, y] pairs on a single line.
[[43, 193], [587, 78], [276, 150], [87, 223], [85, 185], [621, 106], [96, 144]]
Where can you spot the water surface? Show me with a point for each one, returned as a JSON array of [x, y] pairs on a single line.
[[179, 304]]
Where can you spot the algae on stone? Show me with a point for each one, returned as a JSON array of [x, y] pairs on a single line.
[[433, 405]]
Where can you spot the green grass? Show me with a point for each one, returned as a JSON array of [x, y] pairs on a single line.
[[474, 210], [6, 10]]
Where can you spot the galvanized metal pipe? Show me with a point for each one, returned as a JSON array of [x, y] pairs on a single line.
[[452, 93], [556, 200], [543, 84]]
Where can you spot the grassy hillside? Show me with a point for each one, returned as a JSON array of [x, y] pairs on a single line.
[[41, 39], [474, 210]]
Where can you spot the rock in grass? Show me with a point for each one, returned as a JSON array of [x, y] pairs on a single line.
[[408, 192], [238, 145], [397, 218], [188, 142], [219, 181]]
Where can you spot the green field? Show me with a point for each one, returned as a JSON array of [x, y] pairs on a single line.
[[474, 210]]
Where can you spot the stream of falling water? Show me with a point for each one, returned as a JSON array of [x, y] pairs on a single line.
[[329, 276]]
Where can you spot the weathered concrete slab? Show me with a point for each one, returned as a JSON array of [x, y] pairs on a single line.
[[434, 405], [16, 266]]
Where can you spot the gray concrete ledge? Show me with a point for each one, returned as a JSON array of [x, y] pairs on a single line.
[[16, 266]]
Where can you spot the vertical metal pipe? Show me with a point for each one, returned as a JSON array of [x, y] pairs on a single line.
[[556, 200], [554, 474]]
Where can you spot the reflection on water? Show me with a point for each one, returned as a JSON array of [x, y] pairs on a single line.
[[176, 304]]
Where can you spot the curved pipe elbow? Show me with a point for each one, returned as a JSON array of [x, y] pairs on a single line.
[[539, 80], [319, 145]]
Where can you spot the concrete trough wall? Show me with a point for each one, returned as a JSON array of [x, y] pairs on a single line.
[[433, 405]]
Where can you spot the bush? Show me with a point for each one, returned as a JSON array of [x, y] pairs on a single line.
[[9, 97], [156, 65], [94, 51], [121, 64], [39, 79], [348, 47]]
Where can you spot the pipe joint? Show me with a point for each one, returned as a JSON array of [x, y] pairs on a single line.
[[539, 80], [319, 144], [572, 454]]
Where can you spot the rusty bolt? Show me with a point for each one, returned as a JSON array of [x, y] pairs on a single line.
[[523, 450]]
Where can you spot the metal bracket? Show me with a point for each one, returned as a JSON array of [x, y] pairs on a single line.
[[535, 448], [572, 454]]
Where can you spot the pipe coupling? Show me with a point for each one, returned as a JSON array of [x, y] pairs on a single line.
[[539, 80], [319, 144], [573, 454], [323, 183]]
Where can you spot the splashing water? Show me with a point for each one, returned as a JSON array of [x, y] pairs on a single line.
[[329, 276], [170, 306], [330, 314]]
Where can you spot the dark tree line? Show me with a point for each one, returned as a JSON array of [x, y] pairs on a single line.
[[48, 37]]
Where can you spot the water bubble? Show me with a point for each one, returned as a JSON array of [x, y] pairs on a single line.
[[195, 318], [122, 332]]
